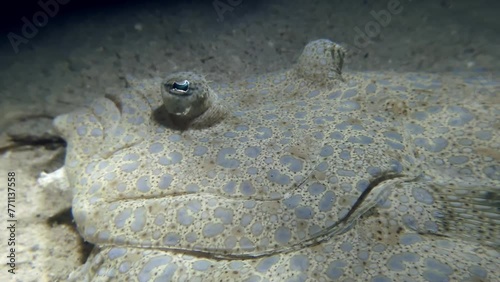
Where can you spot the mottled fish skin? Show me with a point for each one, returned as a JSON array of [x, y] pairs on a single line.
[[305, 174]]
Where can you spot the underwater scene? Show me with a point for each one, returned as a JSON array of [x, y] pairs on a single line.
[[239, 140]]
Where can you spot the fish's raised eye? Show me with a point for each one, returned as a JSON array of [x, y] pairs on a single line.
[[180, 87]]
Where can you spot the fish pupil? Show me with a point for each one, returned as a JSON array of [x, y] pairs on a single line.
[[181, 87]]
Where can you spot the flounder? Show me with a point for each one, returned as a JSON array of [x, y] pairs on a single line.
[[305, 174]]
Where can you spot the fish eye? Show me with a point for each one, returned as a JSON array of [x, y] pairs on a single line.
[[179, 87]]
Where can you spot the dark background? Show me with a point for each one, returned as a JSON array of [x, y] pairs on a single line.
[[12, 11]]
